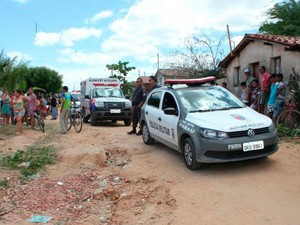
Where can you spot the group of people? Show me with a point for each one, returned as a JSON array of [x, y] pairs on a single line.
[[266, 94], [138, 98], [17, 107]]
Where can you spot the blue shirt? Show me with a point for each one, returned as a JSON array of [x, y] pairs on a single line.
[[273, 92]]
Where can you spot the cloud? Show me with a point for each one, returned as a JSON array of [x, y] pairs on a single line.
[[144, 29], [147, 29], [99, 16], [66, 37], [69, 55], [21, 1], [20, 56]]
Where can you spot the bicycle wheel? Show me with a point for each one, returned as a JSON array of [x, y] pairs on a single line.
[[41, 124], [289, 119], [70, 121], [77, 122]]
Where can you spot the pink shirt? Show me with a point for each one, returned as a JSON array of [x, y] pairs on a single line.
[[265, 82]]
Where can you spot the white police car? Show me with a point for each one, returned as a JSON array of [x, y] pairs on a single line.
[[207, 123]]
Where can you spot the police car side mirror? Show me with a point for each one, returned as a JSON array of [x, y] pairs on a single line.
[[170, 111], [127, 96], [87, 96]]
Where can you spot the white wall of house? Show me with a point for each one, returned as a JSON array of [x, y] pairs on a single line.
[[257, 54]]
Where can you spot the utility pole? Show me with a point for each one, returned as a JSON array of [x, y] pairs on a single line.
[[229, 40], [157, 61]]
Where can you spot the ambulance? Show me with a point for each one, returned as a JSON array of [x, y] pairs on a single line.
[[102, 100]]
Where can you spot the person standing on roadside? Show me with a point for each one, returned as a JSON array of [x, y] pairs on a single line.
[[32, 107], [280, 95], [6, 111], [272, 97], [137, 102], [153, 82], [249, 77], [1, 102], [19, 109], [255, 93], [64, 110], [264, 89], [53, 104], [245, 94]]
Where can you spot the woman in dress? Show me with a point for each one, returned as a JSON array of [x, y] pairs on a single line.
[[6, 111], [19, 109]]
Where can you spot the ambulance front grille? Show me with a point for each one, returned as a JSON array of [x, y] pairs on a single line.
[[114, 105]]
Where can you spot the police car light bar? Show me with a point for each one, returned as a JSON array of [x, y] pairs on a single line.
[[196, 81]]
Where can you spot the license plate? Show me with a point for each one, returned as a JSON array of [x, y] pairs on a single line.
[[251, 146], [115, 111]]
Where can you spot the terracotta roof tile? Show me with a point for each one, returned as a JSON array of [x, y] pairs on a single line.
[[291, 43]]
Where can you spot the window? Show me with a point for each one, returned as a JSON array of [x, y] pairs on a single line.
[[154, 99], [277, 64], [169, 101], [236, 77]]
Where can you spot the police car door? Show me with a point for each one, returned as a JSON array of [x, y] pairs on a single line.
[[169, 120], [152, 113]]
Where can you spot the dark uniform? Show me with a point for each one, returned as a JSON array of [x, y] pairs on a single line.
[[137, 97], [155, 86]]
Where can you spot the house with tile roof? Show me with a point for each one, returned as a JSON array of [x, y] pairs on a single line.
[[279, 54], [164, 74]]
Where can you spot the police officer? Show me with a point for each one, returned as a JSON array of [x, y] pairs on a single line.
[[153, 82], [138, 98]]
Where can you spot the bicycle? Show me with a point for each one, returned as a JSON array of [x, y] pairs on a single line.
[[39, 122], [75, 119], [289, 117]]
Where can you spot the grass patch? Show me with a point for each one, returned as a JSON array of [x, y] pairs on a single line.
[[4, 183], [8, 130], [285, 132], [31, 161]]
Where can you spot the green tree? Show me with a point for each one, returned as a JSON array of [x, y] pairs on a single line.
[[12, 76], [45, 78], [283, 19], [122, 70]]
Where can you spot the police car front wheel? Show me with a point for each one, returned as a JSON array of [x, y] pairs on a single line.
[[189, 154]]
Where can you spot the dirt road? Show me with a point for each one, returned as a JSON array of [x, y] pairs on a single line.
[[104, 176]]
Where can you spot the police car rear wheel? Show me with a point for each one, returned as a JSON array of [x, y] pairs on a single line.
[[148, 140], [189, 154]]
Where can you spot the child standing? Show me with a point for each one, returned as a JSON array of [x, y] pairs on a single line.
[[272, 97], [280, 95], [255, 94], [245, 93]]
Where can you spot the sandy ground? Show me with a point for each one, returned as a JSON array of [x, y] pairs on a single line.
[[151, 185]]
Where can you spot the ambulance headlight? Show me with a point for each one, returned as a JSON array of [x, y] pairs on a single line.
[[214, 134], [99, 104], [128, 104]]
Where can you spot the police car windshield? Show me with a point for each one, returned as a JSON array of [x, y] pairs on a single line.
[[108, 92], [208, 99]]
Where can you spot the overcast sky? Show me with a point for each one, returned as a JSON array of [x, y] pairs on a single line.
[[78, 38]]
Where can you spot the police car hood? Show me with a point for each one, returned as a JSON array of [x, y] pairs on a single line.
[[229, 120]]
